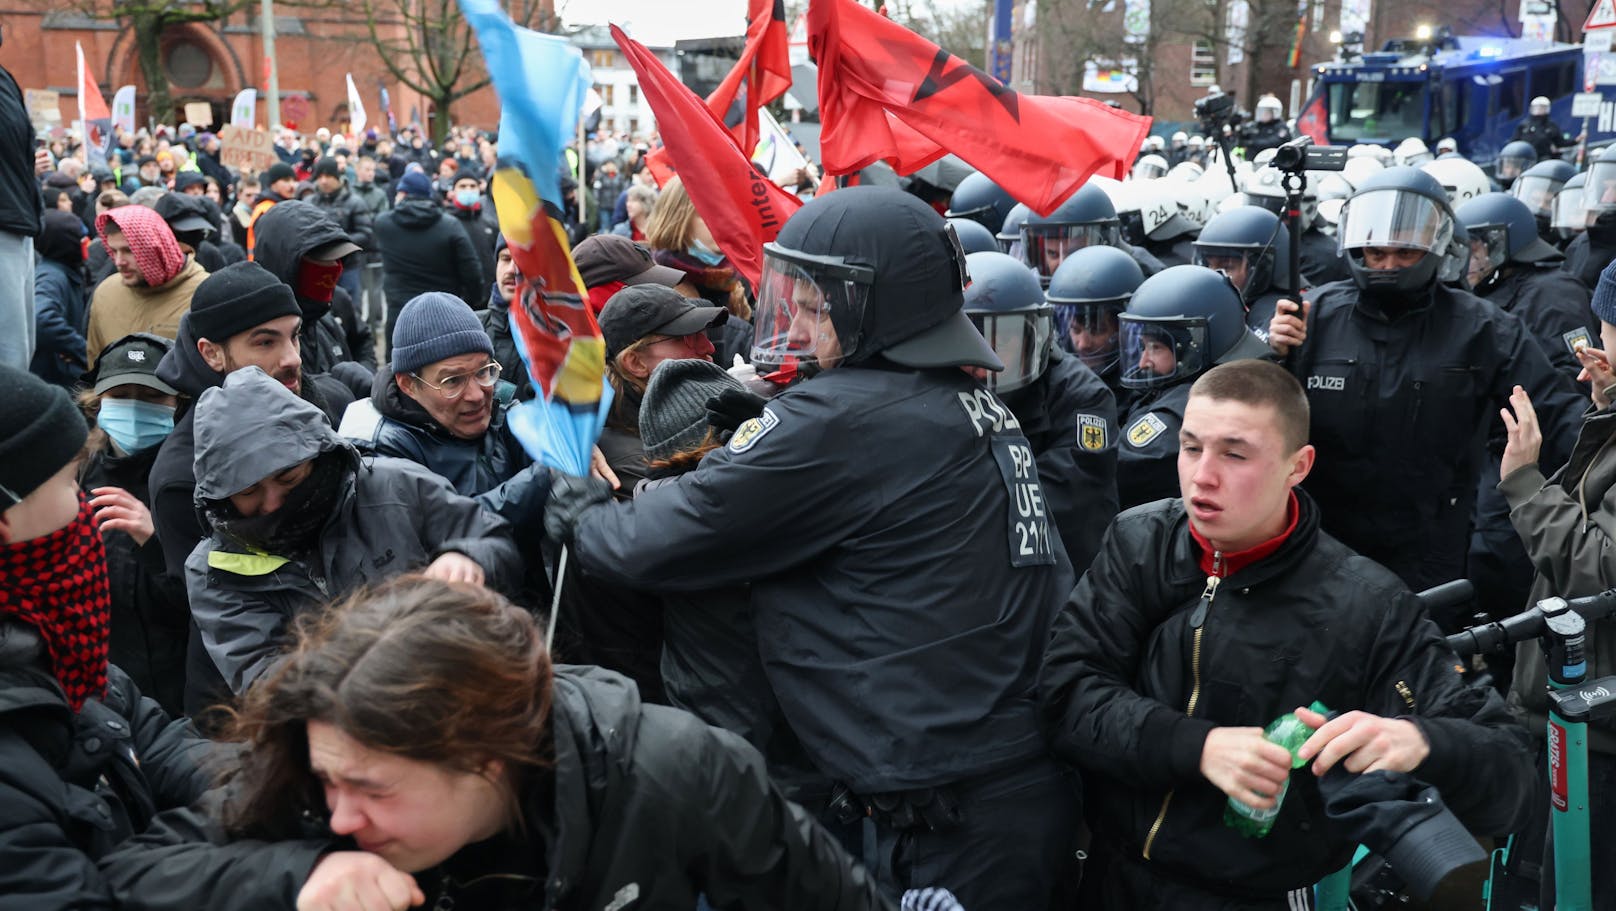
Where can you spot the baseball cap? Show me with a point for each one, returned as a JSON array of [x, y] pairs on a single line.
[[132, 360], [183, 213], [640, 310], [606, 258]]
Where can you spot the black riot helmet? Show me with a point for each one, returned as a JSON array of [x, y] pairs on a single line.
[[1089, 291], [1539, 184], [981, 200], [1398, 208], [1181, 322], [973, 237], [860, 272], [1251, 246], [1501, 230], [1513, 160], [1005, 303], [1009, 236], [1086, 219]]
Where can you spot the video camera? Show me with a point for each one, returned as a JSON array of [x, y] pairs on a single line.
[[1300, 154], [1215, 112]]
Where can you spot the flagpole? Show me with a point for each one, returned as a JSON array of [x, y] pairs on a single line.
[[555, 600], [583, 191]]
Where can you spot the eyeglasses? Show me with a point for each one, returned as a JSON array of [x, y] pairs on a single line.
[[455, 385]]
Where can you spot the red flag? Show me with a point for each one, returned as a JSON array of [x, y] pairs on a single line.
[[764, 68], [887, 93], [742, 208], [661, 166]]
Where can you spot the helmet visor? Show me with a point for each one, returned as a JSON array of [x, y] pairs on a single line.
[[1599, 193], [1091, 331], [1510, 166], [1489, 247], [808, 310], [1247, 268], [1395, 218], [1047, 246], [1148, 170], [1538, 193], [1570, 210], [1161, 352], [1021, 340]]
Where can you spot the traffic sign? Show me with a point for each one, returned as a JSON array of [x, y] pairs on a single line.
[[1603, 15], [1597, 42], [1586, 104]]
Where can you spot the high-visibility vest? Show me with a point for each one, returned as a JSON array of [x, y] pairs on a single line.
[[259, 208]]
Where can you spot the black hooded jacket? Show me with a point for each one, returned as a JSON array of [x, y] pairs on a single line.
[[172, 484], [646, 807], [285, 234], [20, 203], [1146, 659], [425, 249]]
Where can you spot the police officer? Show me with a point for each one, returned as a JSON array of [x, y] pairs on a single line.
[[979, 199], [1179, 324], [1253, 248], [1066, 412], [1537, 187], [1544, 135], [974, 237], [1009, 233], [1513, 160], [1587, 256], [1405, 374], [1321, 259], [1086, 219], [1267, 129], [1513, 268], [889, 516], [1089, 292], [1153, 220]]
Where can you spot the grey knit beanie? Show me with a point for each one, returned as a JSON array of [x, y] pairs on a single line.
[[673, 412], [1604, 301], [433, 326]]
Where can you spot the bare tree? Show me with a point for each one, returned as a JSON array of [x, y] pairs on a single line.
[[146, 20], [428, 46]]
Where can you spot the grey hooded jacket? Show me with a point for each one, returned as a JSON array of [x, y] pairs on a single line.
[[392, 516]]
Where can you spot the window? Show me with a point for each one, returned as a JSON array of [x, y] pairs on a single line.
[[1203, 63], [604, 58], [1512, 94], [608, 94], [634, 126], [1376, 111], [1555, 80], [634, 93]]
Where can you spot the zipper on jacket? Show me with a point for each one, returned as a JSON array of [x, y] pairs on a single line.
[[1198, 623]]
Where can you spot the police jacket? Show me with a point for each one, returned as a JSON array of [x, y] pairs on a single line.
[[645, 808], [1148, 657], [1553, 306], [1568, 524], [150, 616], [1322, 261], [895, 533], [494, 470], [1590, 252], [1401, 407], [1254, 136], [1070, 418], [391, 516], [1544, 134], [1147, 454], [76, 784]]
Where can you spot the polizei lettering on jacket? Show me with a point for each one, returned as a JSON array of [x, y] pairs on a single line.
[[987, 413]]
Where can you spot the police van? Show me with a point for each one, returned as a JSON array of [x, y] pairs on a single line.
[[1474, 89]]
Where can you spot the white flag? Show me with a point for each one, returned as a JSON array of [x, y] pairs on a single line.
[[123, 109], [242, 109], [356, 110]]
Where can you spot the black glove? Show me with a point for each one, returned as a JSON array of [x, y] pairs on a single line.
[[570, 498], [731, 408]]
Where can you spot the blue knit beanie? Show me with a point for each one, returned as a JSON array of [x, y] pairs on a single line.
[[1604, 302], [434, 326], [415, 183]]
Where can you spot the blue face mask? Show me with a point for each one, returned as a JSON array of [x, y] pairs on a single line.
[[135, 425], [467, 198], [705, 254]]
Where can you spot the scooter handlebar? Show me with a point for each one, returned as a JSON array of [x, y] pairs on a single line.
[[1528, 624]]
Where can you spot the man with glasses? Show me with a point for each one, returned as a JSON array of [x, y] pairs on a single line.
[[441, 404]]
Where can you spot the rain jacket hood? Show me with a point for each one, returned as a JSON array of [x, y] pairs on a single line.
[[285, 234], [251, 428]]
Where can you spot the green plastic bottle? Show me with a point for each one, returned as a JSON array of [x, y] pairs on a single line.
[[1289, 732]]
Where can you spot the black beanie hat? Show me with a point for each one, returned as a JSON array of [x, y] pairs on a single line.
[[236, 298], [40, 431], [327, 165], [280, 170]]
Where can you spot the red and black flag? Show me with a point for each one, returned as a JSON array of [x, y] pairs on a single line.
[[886, 93], [761, 75]]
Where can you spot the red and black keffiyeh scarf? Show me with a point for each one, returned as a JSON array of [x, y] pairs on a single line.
[[58, 585]]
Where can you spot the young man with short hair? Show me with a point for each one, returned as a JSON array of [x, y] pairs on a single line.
[[1204, 619]]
